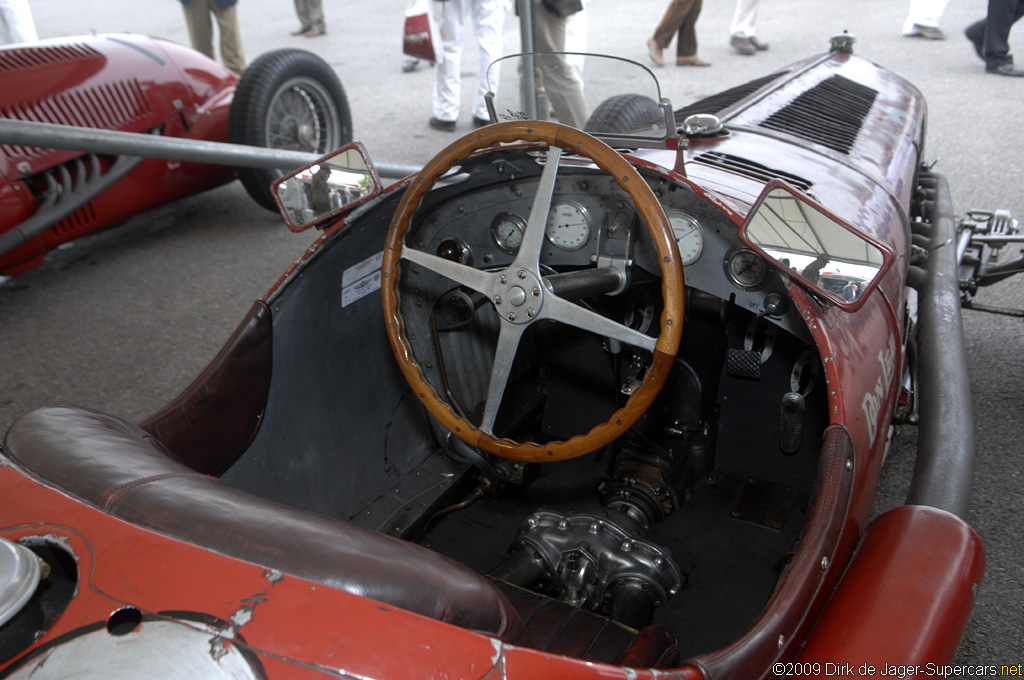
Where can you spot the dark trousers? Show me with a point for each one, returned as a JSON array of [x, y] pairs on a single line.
[[680, 18], [993, 32]]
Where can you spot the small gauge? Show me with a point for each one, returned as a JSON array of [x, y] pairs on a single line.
[[507, 230], [689, 237], [746, 268], [568, 225]]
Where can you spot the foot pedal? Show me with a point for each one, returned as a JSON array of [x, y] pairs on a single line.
[[742, 363], [791, 423]]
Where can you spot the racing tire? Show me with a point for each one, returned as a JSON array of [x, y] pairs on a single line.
[[623, 113], [287, 99]]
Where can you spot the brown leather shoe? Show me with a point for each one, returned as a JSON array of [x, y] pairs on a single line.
[[691, 61], [654, 49]]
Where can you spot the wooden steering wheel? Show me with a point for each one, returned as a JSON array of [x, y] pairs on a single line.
[[521, 284]]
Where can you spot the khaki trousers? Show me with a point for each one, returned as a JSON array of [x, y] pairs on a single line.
[[200, 31]]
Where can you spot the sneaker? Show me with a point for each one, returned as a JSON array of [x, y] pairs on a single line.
[[758, 45], [479, 122], [1005, 70], [443, 125], [743, 45], [927, 32]]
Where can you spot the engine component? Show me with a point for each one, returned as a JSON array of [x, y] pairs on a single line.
[[591, 562]]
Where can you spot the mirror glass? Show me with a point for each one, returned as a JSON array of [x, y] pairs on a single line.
[[332, 185], [816, 247]]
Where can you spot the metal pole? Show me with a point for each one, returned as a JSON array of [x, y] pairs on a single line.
[[91, 140]]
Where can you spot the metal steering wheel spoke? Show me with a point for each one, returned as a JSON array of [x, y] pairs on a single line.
[[528, 256], [570, 313], [504, 355], [464, 275]]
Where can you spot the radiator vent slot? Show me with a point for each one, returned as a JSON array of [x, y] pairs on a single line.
[[831, 113], [18, 58], [747, 168], [717, 103], [108, 106]]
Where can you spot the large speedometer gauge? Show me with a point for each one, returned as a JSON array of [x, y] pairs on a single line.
[[689, 237], [568, 225]]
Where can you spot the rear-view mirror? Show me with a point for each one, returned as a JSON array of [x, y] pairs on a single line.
[[815, 247], [333, 185]]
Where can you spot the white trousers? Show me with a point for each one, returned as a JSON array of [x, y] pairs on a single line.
[[924, 13], [744, 18], [16, 24], [488, 21]]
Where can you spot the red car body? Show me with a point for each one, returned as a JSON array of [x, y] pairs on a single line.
[[172, 566], [127, 83]]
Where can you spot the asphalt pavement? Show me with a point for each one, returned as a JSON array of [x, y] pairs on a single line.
[[122, 321]]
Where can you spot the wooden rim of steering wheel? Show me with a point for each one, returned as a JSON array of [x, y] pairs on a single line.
[[659, 230]]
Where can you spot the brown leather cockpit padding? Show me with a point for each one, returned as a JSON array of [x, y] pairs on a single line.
[[214, 419], [122, 470]]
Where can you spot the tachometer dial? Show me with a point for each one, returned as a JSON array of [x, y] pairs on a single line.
[[568, 225], [689, 237], [746, 268], [507, 230]]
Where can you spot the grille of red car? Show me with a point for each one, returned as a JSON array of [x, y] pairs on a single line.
[[109, 106], [17, 58], [748, 168], [831, 113]]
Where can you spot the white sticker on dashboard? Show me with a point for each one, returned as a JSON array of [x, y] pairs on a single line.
[[358, 271], [361, 279]]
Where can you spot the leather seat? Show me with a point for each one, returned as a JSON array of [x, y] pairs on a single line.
[[119, 468]]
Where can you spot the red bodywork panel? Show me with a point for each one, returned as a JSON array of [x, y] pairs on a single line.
[[905, 599], [126, 83]]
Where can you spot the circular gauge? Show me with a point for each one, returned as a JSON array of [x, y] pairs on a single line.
[[746, 268], [507, 230], [568, 225], [689, 237]]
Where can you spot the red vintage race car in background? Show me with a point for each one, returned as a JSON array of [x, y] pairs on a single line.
[[574, 401], [286, 99]]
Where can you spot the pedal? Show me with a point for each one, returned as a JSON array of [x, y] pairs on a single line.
[[791, 423]]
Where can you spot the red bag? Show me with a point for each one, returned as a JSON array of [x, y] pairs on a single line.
[[422, 39]]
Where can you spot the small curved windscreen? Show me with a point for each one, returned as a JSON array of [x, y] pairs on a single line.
[[605, 96]]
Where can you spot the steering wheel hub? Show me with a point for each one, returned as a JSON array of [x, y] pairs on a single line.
[[518, 296]]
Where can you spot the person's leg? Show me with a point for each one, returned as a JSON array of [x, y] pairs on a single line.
[[668, 27], [230, 39], [302, 11], [16, 23], [686, 45], [200, 27], [315, 12], [562, 85], [488, 22], [744, 18], [923, 13], [996, 44], [447, 94]]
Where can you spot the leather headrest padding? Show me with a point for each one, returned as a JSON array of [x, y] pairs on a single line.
[[115, 466]]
